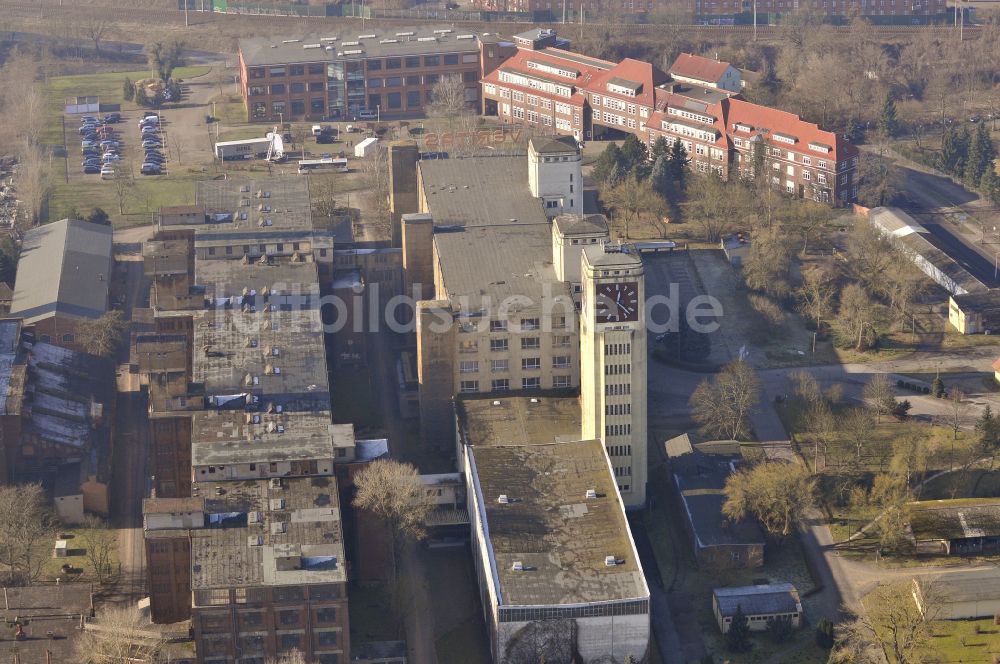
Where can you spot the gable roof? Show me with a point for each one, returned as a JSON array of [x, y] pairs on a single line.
[[64, 269], [626, 74], [698, 68], [767, 121], [758, 600]]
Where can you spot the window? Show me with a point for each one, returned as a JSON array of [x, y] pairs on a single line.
[[468, 366], [560, 341], [374, 65], [413, 98], [296, 70], [432, 60], [256, 72], [327, 639], [256, 90], [317, 105], [374, 101], [315, 68], [498, 326], [500, 384], [499, 366], [413, 80], [316, 86], [469, 58], [451, 59], [394, 82], [560, 362], [431, 79], [297, 87], [531, 343], [470, 76], [290, 641], [528, 324], [393, 63], [412, 61], [498, 345], [560, 381], [531, 363], [277, 108], [374, 82], [469, 386], [532, 383], [277, 71], [327, 614], [468, 346], [288, 617], [278, 89], [298, 107], [395, 100]]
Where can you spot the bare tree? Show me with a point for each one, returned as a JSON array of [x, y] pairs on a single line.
[[958, 409], [120, 634], [892, 620], [95, 28], [880, 395], [716, 207], [776, 493], [376, 178], [722, 407], [102, 336], [123, 182], [100, 542], [448, 99], [857, 317], [26, 525], [393, 492], [818, 292], [857, 425], [632, 199], [293, 657], [33, 187], [177, 143]]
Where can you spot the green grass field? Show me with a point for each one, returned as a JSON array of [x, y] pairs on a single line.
[[957, 641], [143, 199]]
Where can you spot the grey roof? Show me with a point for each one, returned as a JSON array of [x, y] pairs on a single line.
[[487, 264], [986, 304], [700, 479], [287, 197], [227, 437], [64, 269], [678, 446], [758, 600], [613, 255], [914, 239], [377, 43], [52, 635], [520, 420], [479, 191], [554, 144], [954, 519], [308, 548], [963, 586], [559, 535], [581, 224]]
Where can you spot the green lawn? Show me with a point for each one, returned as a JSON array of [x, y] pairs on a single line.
[[144, 199], [107, 86], [957, 641], [52, 569]]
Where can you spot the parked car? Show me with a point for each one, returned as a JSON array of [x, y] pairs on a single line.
[[149, 131], [91, 169], [109, 143], [113, 117], [151, 114], [111, 156], [87, 143], [86, 129], [154, 159], [150, 169], [149, 120], [151, 142]]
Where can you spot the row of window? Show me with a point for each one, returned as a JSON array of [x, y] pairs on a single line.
[[414, 61], [617, 349], [213, 622], [278, 71], [623, 471], [618, 409], [503, 384], [617, 389], [617, 430], [501, 366], [258, 109], [279, 594], [501, 345], [619, 450], [426, 79], [617, 369]]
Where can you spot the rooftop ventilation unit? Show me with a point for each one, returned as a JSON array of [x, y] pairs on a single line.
[[405, 34], [327, 39], [611, 561], [275, 482], [290, 41], [518, 566], [503, 499], [426, 39], [350, 43], [277, 504], [534, 400], [389, 41], [442, 32], [496, 402], [281, 428], [464, 36], [357, 51], [591, 493], [367, 36]]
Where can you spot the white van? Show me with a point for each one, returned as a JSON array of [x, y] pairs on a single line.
[[317, 130]]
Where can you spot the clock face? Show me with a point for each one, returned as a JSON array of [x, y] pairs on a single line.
[[617, 303]]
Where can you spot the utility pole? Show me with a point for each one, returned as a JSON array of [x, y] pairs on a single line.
[[755, 20]]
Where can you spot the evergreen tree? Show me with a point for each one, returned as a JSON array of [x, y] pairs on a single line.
[[954, 150], [738, 636], [854, 131], [678, 163], [634, 154], [611, 157], [616, 176], [779, 629], [662, 180], [660, 148], [824, 633], [982, 152], [937, 387], [989, 186], [128, 90], [888, 122], [988, 429]]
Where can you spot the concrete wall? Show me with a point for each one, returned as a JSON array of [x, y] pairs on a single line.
[[70, 509], [558, 183], [418, 254]]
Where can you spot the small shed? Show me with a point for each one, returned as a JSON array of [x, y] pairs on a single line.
[[760, 604], [80, 105], [60, 549], [962, 526], [736, 247]]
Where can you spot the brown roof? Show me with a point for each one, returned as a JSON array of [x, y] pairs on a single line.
[[698, 68], [763, 118], [182, 209], [996, 365], [172, 505]]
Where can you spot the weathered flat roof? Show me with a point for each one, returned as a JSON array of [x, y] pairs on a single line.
[[560, 536], [172, 505], [701, 478], [962, 586], [55, 613], [64, 268], [258, 534], [372, 42], [954, 519], [284, 201], [518, 420], [229, 436]]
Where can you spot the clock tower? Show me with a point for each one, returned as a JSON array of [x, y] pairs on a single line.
[[613, 362]]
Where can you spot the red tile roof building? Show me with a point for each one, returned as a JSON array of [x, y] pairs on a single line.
[[553, 90], [706, 71]]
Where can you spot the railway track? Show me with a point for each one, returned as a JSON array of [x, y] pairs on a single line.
[[50, 9]]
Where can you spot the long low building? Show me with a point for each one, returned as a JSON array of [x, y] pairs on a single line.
[[964, 526], [926, 252], [958, 595]]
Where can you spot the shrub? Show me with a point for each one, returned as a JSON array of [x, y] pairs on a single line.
[[779, 629], [824, 633]]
